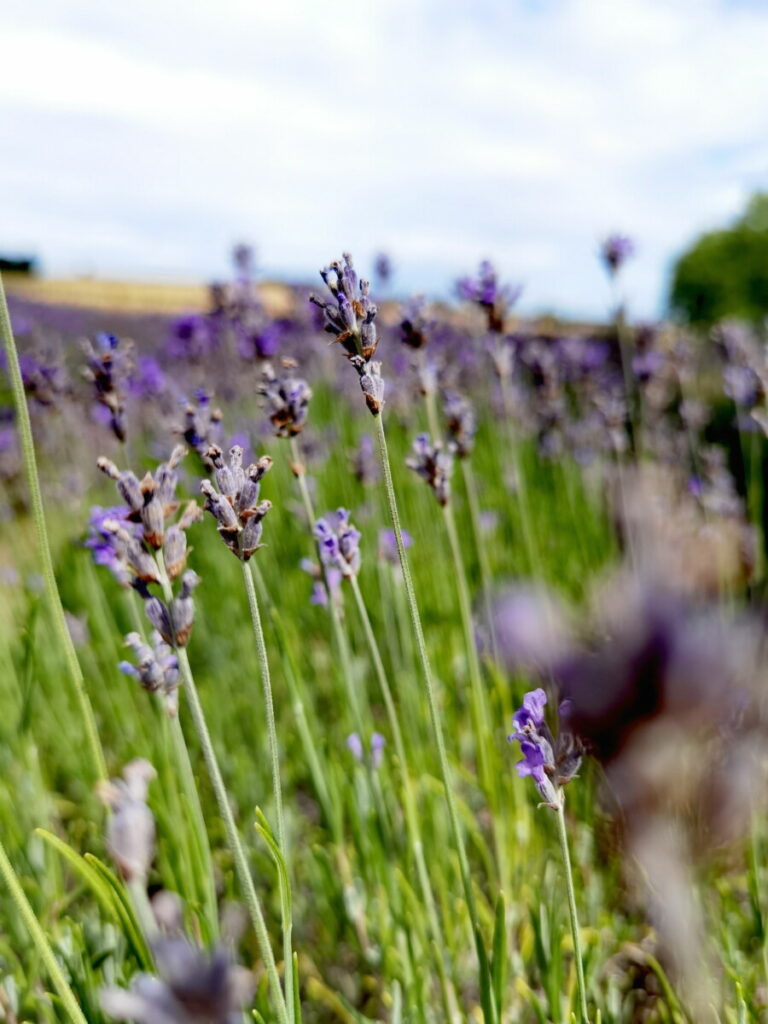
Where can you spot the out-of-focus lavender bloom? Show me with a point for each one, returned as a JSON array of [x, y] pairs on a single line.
[[202, 423], [416, 322], [365, 466], [338, 542], [646, 364], [323, 578], [244, 259], [108, 363], [194, 987], [615, 251], [530, 629], [44, 379], [156, 668], [550, 763], [355, 746], [286, 399], [486, 292], [743, 385], [382, 268], [434, 465], [147, 380], [131, 828], [388, 545], [193, 338], [461, 422], [235, 505]]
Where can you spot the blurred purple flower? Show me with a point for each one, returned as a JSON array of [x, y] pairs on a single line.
[[615, 251]]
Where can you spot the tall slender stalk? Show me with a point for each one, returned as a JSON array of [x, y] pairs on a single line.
[[470, 486], [434, 714], [234, 841], [409, 801], [339, 633], [40, 940], [277, 790], [44, 548], [189, 788], [563, 836]]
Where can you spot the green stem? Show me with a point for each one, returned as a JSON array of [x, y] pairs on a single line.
[[434, 714], [521, 495], [563, 836], [339, 633], [38, 514], [138, 893], [409, 801], [470, 486], [234, 841], [277, 791], [39, 939]]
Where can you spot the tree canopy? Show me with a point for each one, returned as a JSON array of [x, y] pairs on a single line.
[[725, 273]]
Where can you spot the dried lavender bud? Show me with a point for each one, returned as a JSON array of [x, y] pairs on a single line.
[[158, 615], [182, 611], [156, 668], [434, 465], [460, 421], [127, 484], [236, 507], [371, 383], [338, 543], [194, 987], [287, 401], [131, 828], [175, 551]]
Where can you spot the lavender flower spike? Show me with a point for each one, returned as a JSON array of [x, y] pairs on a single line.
[[551, 763], [615, 251], [235, 505], [131, 829], [350, 316], [434, 465], [338, 543], [194, 987], [287, 400]]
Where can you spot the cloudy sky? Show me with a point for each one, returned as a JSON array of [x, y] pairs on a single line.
[[144, 138]]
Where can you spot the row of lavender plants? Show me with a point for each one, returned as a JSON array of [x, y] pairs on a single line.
[[286, 628]]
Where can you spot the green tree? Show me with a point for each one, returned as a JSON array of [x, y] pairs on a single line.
[[725, 273]]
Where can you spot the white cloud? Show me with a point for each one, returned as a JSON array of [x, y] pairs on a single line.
[[150, 136]]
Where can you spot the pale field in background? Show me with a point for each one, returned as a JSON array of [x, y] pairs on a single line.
[[131, 296]]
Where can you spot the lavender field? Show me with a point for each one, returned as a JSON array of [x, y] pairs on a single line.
[[369, 658]]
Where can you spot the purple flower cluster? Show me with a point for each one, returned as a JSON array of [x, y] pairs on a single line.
[[287, 400], [550, 763], [338, 543], [615, 251], [235, 505], [485, 291], [350, 317], [108, 363], [434, 465]]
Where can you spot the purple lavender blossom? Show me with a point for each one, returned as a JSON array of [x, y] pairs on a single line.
[[550, 763], [486, 292], [350, 317], [357, 749], [365, 466], [286, 399], [338, 543], [434, 465], [615, 251], [382, 268], [388, 545], [147, 380], [108, 363]]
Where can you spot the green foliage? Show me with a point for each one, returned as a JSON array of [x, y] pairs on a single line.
[[725, 273]]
